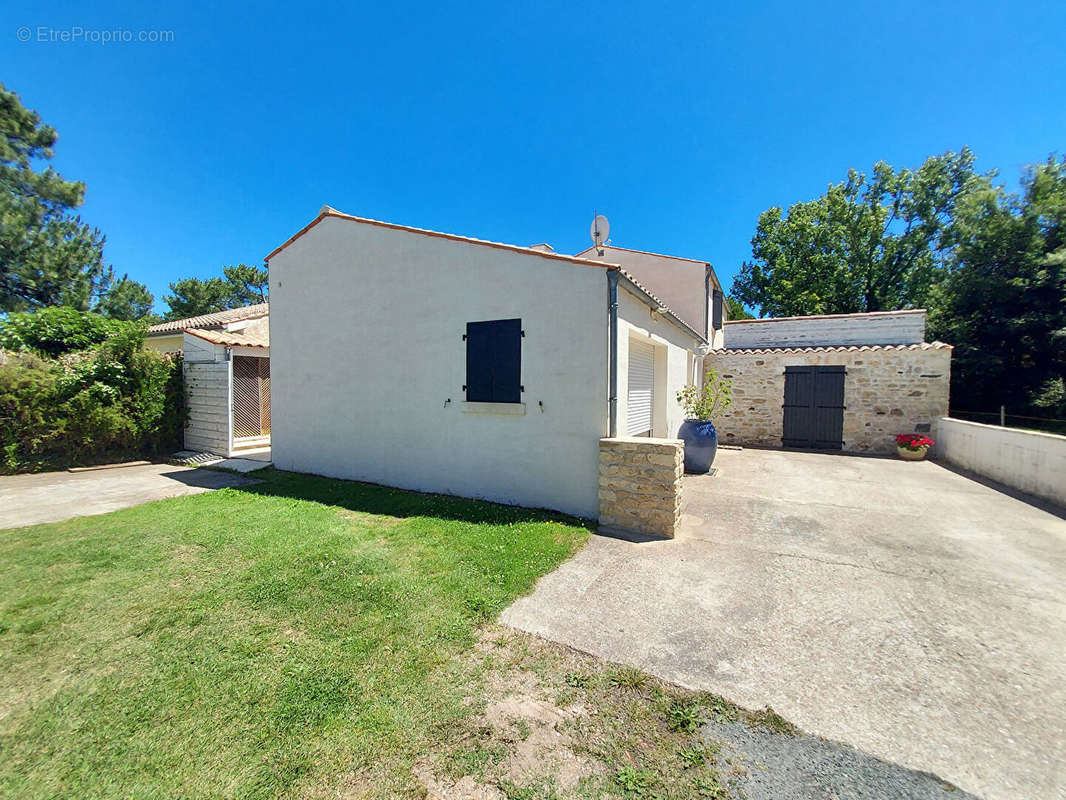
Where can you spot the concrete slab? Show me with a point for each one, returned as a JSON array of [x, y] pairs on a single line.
[[54, 496], [897, 607], [255, 453], [242, 464]]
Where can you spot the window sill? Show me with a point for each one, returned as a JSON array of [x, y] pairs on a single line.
[[506, 409]]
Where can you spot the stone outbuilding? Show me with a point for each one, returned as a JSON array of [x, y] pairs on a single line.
[[847, 382]]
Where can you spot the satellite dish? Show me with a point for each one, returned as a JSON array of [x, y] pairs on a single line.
[[599, 229]]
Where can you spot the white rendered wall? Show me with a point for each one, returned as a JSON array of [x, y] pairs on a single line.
[[673, 359], [170, 343], [880, 327], [681, 283], [366, 326], [1027, 460]]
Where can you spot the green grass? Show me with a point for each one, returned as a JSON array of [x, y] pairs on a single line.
[[294, 639]]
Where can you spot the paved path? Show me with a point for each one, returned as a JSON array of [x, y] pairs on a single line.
[[897, 607], [54, 496]]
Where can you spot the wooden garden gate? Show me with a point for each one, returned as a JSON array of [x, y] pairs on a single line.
[[251, 398]]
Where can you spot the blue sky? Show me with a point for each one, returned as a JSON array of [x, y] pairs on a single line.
[[681, 122]]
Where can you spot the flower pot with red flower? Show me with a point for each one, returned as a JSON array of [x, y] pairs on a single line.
[[913, 446]]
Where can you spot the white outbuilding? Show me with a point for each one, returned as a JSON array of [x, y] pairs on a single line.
[[226, 366]]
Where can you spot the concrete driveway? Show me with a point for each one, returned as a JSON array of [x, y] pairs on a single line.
[[898, 607], [54, 496]]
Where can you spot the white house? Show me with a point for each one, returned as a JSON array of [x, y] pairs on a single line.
[[475, 368]]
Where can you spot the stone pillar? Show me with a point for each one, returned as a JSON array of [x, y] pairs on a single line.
[[640, 485]]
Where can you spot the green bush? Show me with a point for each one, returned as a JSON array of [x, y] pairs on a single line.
[[73, 391], [55, 331]]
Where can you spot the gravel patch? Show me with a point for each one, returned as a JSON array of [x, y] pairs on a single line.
[[764, 765]]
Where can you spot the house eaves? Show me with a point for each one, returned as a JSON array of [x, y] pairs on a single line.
[[332, 212], [213, 320], [632, 282]]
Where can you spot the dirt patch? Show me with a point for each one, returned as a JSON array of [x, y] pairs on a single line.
[[541, 742], [550, 723], [526, 736], [466, 788]]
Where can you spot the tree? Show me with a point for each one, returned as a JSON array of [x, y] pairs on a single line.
[[867, 244], [194, 296], [125, 299], [736, 309], [241, 285], [250, 284], [47, 256], [1003, 301]]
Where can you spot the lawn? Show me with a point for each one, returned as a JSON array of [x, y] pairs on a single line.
[[299, 638], [312, 638]]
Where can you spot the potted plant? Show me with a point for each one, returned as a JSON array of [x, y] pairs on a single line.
[[697, 431], [913, 446]]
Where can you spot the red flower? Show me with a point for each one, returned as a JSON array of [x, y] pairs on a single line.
[[913, 441]]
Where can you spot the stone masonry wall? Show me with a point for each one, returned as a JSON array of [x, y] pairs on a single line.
[[887, 390], [640, 484]]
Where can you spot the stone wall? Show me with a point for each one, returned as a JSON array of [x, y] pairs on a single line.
[[887, 390], [640, 485]]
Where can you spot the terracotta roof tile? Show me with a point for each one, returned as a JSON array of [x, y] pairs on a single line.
[[830, 349], [232, 338], [212, 320]]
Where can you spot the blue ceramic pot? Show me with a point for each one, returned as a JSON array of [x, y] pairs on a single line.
[[701, 443]]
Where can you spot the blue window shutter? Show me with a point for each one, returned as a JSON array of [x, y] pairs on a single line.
[[494, 361], [717, 301], [507, 361], [478, 362]]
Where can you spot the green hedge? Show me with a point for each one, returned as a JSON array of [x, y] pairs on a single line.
[[77, 389]]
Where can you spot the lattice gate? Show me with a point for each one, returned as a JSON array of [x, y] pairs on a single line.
[[251, 396]]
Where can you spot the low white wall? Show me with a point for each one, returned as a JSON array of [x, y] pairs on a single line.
[[1027, 460]]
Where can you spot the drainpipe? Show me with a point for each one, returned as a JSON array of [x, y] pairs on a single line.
[[707, 304], [612, 375]]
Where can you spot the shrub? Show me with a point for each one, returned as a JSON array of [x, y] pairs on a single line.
[[716, 395], [62, 403], [54, 331]]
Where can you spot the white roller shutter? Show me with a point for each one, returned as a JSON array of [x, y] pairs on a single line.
[[641, 386]]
